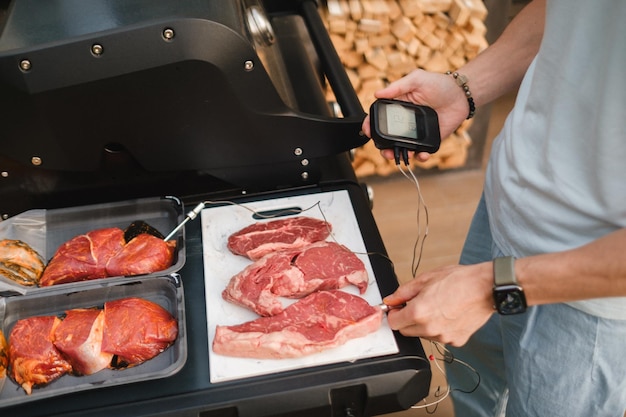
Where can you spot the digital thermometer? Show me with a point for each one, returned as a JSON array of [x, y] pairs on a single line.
[[400, 125]]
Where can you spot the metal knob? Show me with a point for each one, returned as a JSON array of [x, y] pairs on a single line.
[[97, 49]]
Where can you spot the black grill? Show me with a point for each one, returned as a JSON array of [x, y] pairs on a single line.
[[113, 100]]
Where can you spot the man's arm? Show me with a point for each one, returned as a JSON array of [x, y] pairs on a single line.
[[450, 303], [501, 67], [595, 270]]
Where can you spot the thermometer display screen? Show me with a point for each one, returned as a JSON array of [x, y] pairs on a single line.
[[400, 121]]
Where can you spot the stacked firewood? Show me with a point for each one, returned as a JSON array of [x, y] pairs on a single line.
[[380, 41]]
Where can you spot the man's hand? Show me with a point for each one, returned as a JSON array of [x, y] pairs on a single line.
[[447, 304]]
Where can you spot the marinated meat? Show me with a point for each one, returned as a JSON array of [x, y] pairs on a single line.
[[104, 253], [294, 274], [20, 263], [144, 254], [42, 349], [320, 321], [262, 238], [79, 337], [33, 357], [84, 257], [137, 330], [4, 355]]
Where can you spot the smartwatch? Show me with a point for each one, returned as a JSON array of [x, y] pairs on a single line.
[[508, 295]]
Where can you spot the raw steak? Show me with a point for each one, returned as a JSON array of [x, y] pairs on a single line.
[[137, 330], [84, 257], [294, 274], [144, 254], [262, 238], [79, 337], [320, 321], [34, 358]]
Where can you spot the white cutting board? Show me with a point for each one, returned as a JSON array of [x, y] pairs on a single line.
[[220, 265]]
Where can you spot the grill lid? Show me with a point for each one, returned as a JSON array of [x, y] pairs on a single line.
[[175, 86]]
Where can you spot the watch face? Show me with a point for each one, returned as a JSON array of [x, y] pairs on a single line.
[[510, 300]]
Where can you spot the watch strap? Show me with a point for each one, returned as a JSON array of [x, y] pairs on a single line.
[[504, 271]]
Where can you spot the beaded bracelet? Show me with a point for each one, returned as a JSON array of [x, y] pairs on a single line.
[[461, 81]]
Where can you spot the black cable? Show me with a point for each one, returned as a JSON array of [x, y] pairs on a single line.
[[396, 155], [405, 157]]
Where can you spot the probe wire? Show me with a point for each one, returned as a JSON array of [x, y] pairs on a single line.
[[418, 247], [447, 357]]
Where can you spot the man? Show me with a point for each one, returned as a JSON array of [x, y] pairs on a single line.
[[553, 213]]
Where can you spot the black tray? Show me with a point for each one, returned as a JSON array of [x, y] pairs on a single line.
[[167, 291]]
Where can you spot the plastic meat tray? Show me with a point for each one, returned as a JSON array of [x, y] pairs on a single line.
[[46, 230], [167, 291]]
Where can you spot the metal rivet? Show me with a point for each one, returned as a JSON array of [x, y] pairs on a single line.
[[168, 34], [297, 151], [4, 174], [248, 65], [25, 65], [305, 175], [304, 162], [35, 160], [5, 216], [97, 49]]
